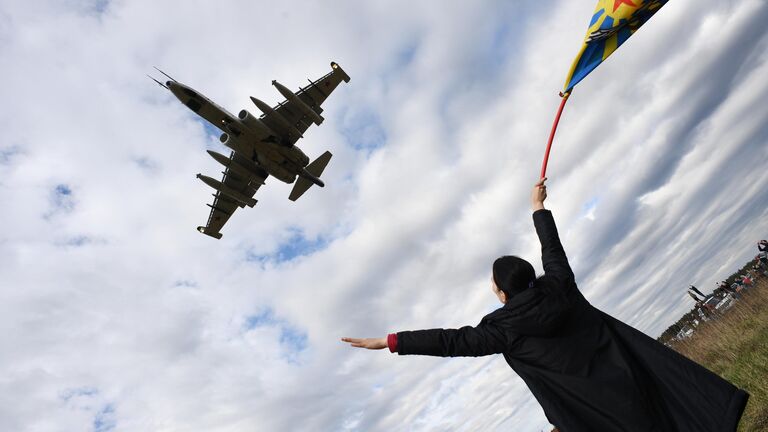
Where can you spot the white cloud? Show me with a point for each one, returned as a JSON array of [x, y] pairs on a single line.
[[108, 293]]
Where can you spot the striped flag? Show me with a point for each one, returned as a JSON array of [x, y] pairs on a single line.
[[613, 22]]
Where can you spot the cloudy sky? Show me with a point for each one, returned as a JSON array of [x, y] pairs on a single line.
[[116, 315]]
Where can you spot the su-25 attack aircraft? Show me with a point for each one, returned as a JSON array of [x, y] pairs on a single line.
[[261, 146]]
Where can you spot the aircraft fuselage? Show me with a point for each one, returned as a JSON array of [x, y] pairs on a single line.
[[247, 135]]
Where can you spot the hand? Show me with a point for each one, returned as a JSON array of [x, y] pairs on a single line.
[[539, 194], [369, 343]]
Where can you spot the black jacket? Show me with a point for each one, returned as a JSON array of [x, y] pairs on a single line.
[[589, 371]]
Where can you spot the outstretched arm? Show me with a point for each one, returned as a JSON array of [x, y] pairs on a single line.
[[463, 342], [466, 342], [368, 343]]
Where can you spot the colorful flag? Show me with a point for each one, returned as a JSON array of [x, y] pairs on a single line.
[[613, 22]]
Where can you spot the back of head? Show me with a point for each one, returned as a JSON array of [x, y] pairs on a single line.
[[513, 275]]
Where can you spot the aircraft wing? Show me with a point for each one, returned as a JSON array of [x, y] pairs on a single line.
[[312, 96], [223, 205]]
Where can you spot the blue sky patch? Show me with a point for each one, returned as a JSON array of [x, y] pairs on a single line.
[[71, 393], [292, 339], [87, 398], [263, 318], [362, 129], [100, 6], [210, 130], [499, 48], [187, 283], [296, 246], [105, 420], [406, 54], [61, 199], [402, 58], [62, 190], [587, 210], [77, 241], [81, 240], [7, 154], [146, 164]]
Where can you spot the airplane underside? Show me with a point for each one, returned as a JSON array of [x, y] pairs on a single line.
[[261, 146]]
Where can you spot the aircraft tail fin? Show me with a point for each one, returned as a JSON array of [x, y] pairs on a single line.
[[314, 169]]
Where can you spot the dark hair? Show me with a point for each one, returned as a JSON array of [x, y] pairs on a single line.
[[513, 275]]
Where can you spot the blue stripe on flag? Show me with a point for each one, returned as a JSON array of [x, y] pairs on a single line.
[[608, 23], [596, 17]]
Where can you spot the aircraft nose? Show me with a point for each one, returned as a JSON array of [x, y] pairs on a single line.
[[169, 83]]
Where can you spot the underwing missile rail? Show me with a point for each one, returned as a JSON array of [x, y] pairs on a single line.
[[226, 190], [291, 96]]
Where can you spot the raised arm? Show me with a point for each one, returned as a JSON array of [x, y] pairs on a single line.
[[552, 253]]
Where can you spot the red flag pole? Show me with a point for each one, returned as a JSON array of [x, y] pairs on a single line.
[[552, 134]]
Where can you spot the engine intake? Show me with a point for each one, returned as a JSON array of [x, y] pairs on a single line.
[[253, 123]]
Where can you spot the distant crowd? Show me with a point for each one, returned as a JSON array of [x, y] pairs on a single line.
[[711, 305]]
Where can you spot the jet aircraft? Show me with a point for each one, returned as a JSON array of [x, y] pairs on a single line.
[[261, 146]]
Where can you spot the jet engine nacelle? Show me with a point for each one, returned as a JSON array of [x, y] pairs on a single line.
[[233, 143], [254, 124], [295, 154], [269, 166], [284, 122]]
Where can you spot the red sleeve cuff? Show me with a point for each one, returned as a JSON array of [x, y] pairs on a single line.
[[392, 342]]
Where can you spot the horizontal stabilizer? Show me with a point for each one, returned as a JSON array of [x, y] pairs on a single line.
[[315, 169], [318, 165]]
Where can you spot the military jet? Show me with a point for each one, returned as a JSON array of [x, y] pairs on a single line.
[[261, 146]]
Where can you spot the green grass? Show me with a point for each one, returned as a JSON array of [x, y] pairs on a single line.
[[736, 347]]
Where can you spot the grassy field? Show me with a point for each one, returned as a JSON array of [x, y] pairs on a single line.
[[735, 346]]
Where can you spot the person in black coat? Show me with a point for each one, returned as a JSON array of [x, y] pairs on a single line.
[[589, 371]]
